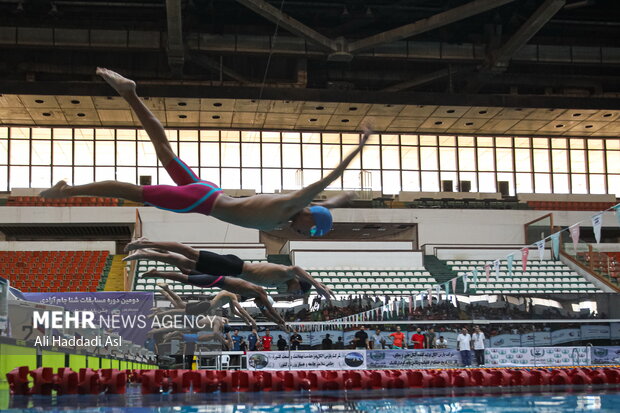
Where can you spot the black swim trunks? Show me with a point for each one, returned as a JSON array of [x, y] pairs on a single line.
[[198, 308], [212, 263]]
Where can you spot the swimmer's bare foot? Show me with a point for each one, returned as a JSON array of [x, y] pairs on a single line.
[[121, 84], [136, 244], [57, 191], [136, 255], [152, 273], [162, 285]]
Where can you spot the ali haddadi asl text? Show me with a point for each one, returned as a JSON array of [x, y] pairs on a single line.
[[97, 341]]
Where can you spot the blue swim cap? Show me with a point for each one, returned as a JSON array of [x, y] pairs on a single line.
[[322, 221]]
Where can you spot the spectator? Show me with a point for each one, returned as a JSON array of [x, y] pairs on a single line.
[[463, 341], [253, 340], [339, 344], [266, 340], [361, 339], [441, 343], [236, 340], [429, 338], [281, 343], [398, 338], [296, 340], [418, 339], [327, 343], [377, 341], [478, 340]]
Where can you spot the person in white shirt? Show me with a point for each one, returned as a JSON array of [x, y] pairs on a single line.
[[441, 343], [478, 340], [463, 341], [377, 340]]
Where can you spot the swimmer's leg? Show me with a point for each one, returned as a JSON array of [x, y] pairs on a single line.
[[113, 189], [153, 127]]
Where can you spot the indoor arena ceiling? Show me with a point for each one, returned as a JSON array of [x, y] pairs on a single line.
[[440, 66], [311, 116]]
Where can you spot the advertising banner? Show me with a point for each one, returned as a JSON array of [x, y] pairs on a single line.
[[605, 355], [595, 332], [307, 360], [614, 331], [409, 359], [537, 356], [126, 312], [565, 335], [506, 340], [538, 338]]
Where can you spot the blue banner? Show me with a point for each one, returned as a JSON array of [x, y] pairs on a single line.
[[406, 359], [130, 308], [605, 355]]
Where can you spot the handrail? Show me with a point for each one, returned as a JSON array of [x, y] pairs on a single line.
[[589, 271]]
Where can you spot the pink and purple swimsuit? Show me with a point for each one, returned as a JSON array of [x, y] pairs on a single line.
[[191, 195]]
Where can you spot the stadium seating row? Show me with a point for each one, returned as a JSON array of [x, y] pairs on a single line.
[[555, 278], [569, 206], [39, 271], [76, 201]]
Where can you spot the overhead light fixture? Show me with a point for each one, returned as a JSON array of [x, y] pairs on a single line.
[[20, 7]]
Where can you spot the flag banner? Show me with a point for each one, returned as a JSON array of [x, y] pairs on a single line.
[[524, 253], [410, 304], [597, 223], [496, 269], [475, 275], [454, 285], [541, 249], [511, 258], [446, 287], [430, 296], [421, 300], [555, 245], [465, 280], [487, 271], [438, 293], [415, 302], [574, 234]]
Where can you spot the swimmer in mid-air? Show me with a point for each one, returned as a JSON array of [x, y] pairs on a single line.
[[237, 286], [294, 280], [192, 194], [203, 306]]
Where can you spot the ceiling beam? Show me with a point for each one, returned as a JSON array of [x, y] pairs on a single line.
[[164, 89], [425, 25], [217, 66], [285, 21], [541, 16], [175, 49], [420, 80]]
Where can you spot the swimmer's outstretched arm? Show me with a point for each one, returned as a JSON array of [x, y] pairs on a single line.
[[265, 307], [240, 311], [303, 197], [301, 274]]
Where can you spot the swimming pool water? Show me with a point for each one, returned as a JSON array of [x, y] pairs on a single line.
[[372, 402]]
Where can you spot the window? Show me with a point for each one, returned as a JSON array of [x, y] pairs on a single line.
[[270, 161]]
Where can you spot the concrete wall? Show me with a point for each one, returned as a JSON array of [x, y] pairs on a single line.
[[58, 246], [346, 245], [369, 259], [435, 226]]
